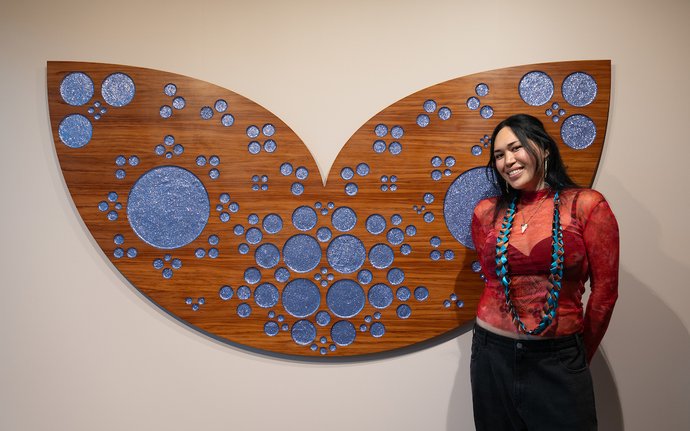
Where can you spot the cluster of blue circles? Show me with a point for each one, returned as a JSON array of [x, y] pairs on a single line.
[[484, 142], [269, 145], [168, 148], [386, 186], [436, 254], [473, 102], [213, 252], [167, 265], [301, 173], [347, 174], [178, 102], [105, 205], [579, 89], [195, 305], [77, 89], [259, 182], [437, 162], [225, 206], [429, 106], [381, 131], [213, 161], [119, 251]]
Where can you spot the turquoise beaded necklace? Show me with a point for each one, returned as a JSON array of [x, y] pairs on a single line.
[[555, 269]]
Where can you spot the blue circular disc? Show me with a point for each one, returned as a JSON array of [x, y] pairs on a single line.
[[536, 88], [75, 130], [579, 89], [345, 298], [267, 255], [346, 254], [272, 223], [304, 218], [301, 297], [380, 295], [266, 295], [461, 198], [168, 207], [381, 256], [303, 332], [578, 131], [343, 333], [344, 219], [302, 253], [117, 89], [377, 330], [375, 224], [76, 89]]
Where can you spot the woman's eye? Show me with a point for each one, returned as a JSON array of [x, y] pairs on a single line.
[[517, 148], [498, 156]]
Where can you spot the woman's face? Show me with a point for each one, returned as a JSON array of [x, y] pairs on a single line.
[[515, 164]]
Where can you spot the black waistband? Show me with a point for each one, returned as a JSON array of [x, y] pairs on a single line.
[[484, 336]]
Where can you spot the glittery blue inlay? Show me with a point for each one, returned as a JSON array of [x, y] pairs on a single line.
[[117, 89], [395, 236], [254, 147], [244, 292], [282, 275], [481, 90], [436, 161], [252, 276], [303, 332], [170, 89], [429, 106], [75, 130], [286, 169], [225, 293], [76, 89], [579, 89], [343, 333], [364, 276], [422, 120], [421, 293], [268, 130], [267, 255], [396, 219], [395, 276], [486, 111], [253, 235], [266, 295], [221, 105], [347, 173], [403, 311], [436, 175], [395, 148], [252, 219], [444, 113], [344, 219], [297, 189], [302, 253], [244, 310], [351, 189], [270, 145], [403, 293], [380, 295], [578, 131], [118, 253], [273, 223], [379, 146], [345, 298], [227, 120], [435, 255], [304, 218], [323, 234], [375, 224], [301, 297], [271, 328], [461, 198], [179, 103], [476, 150], [168, 207], [243, 248], [473, 103], [323, 318], [381, 256], [381, 130], [449, 255], [377, 329], [536, 88], [346, 254], [435, 241], [397, 132]]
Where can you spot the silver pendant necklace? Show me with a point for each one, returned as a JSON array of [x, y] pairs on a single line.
[[525, 223]]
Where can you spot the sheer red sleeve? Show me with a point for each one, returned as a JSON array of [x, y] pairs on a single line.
[[602, 246]]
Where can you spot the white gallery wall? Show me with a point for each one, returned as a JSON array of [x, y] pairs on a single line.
[[81, 349]]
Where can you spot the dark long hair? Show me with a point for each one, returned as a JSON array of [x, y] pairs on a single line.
[[536, 141]]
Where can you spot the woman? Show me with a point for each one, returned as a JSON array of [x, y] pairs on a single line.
[[538, 243]]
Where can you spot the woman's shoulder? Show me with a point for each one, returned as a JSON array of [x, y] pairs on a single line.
[[584, 200], [485, 206]]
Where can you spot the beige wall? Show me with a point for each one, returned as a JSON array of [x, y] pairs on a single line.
[[82, 350]]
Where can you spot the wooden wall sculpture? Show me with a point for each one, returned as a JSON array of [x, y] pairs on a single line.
[[215, 210]]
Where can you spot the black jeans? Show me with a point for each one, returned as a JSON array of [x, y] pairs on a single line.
[[531, 384]]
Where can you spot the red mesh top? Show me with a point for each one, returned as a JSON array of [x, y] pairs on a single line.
[[590, 237]]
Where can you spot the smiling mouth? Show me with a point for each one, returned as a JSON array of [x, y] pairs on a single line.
[[515, 172]]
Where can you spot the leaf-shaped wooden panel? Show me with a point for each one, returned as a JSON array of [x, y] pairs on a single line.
[[214, 209]]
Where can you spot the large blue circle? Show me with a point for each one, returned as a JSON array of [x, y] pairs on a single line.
[[168, 207], [536, 88], [344, 219], [267, 255], [304, 218], [76, 88], [266, 295], [303, 332], [301, 297], [381, 256], [117, 89], [461, 198], [346, 254], [345, 298], [343, 333], [380, 295], [75, 130], [302, 253], [578, 131]]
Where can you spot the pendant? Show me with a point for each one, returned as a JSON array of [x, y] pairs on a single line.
[[523, 227]]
